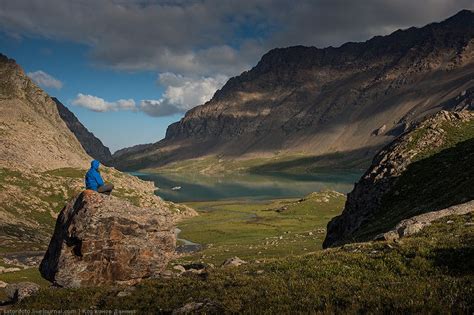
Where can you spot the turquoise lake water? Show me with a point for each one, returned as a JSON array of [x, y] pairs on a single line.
[[248, 186]]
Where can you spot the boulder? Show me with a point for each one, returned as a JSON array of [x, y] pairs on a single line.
[[102, 240], [233, 262], [379, 131], [205, 307], [179, 268], [18, 291]]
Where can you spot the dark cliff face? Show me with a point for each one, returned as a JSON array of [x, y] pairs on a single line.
[[320, 101], [92, 145]]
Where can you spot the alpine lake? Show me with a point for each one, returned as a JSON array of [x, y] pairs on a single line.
[[252, 216]]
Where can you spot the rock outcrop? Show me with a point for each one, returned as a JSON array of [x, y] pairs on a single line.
[[101, 240], [91, 144], [417, 223], [428, 168], [316, 102]]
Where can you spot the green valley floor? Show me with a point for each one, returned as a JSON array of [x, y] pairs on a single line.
[[286, 270], [257, 230]]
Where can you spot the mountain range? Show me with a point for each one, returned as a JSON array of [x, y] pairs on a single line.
[[350, 100]]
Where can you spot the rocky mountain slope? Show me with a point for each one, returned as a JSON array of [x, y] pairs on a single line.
[[429, 168], [303, 100], [91, 144], [33, 135]]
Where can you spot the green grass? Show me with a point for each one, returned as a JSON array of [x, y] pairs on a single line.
[[5, 173], [20, 235], [455, 133], [13, 177], [29, 274], [21, 207], [212, 165], [255, 230], [420, 274], [67, 172]]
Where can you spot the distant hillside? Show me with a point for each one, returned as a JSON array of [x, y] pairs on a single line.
[[91, 144], [33, 135], [350, 100], [429, 168], [126, 151]]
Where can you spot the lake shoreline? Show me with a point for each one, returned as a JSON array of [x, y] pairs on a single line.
[[247, 187]]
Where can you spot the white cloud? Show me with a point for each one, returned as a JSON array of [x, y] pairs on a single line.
[[182, 93], [45, 80], [98, 104]]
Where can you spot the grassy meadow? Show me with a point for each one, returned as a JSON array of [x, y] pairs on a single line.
[[256, 230], [419, 274]]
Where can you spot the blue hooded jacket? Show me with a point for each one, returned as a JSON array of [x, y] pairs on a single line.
[[93, 178]]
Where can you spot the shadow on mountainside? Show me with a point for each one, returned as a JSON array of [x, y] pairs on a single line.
[[354, 159], [433, 183]]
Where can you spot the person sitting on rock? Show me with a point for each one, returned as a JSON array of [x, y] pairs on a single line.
[[95, 182]]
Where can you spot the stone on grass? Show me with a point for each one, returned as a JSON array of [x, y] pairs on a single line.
[[179, 268], [233, 262], [415, 224], [18, 291], [204, 307]]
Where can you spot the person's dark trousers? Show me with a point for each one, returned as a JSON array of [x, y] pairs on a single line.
[[105, 189]]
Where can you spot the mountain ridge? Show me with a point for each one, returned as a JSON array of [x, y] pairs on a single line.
[[91, 144], [315, 101], [29, 116]]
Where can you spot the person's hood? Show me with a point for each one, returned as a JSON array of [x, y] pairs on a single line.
[[95, 165]]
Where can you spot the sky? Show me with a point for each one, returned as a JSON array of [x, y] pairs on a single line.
[[128, 69]]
